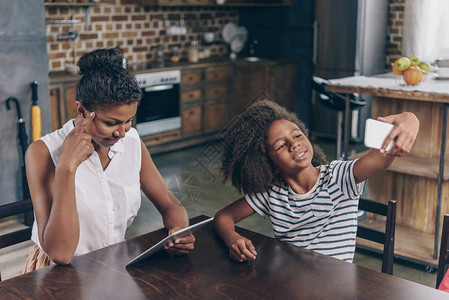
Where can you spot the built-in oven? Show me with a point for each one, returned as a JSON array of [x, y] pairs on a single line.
[[159, 108]]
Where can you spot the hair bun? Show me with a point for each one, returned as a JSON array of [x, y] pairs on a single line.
[[101, 60]]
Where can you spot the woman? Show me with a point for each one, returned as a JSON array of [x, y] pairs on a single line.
[[85, 178]]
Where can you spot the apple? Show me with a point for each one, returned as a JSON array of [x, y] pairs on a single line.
[[414, 61], [395, 68], [413, 75], [403, 63], [425, 66]]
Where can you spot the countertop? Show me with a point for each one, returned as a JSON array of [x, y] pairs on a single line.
[[62, 76]]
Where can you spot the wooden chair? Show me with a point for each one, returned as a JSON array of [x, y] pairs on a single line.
[[21, 235], [382, 237], [443, 260]]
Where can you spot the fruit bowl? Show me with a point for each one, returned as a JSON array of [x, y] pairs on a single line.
[[410, 71], [399, 79]]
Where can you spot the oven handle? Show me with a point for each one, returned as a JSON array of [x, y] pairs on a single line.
[[159, 88]]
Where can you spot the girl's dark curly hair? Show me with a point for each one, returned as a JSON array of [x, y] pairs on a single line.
[[105, 82], [245, 160]]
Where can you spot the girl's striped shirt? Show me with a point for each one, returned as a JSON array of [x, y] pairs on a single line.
[[324, 219]]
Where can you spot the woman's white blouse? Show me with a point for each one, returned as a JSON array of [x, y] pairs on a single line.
[[107, 201]]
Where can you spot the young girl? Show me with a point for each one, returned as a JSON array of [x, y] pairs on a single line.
[[311, 204], [85, 178]]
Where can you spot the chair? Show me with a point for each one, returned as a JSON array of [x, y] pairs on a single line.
[[336, 102], [21, 235], [382, 237], [443, 259]]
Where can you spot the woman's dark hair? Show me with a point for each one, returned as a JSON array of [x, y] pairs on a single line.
[[245, 160], [105, 81]]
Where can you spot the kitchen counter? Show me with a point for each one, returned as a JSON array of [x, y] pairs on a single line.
[[65, 76]]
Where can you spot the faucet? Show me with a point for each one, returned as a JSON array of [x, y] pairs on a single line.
[[253, 44]]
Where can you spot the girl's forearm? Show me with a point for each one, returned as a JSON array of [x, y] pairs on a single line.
[[225, 227]]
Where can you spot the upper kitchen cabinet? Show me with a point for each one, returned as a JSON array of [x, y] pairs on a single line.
[[214, 2]]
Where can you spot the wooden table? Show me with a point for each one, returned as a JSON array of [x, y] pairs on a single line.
[[419, 181], [281, 271]]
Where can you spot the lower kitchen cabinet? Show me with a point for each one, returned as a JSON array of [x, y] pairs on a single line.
[[191, 120], [216, 115]]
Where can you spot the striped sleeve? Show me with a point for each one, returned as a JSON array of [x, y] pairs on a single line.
[[259, 202], [343, 176]]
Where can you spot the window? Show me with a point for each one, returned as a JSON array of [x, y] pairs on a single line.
[[426, 29]]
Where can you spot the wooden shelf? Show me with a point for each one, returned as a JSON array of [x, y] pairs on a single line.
[[414, 165], [410, 244]]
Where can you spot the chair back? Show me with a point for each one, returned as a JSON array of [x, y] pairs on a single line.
[[443, 259], [385, 237], [21, 235]]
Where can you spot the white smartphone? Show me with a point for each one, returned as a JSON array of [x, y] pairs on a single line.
[[376, 132]]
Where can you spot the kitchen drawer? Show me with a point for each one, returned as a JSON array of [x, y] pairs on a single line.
[[189, 95], [160, 138], [217, 116], [216, 91], [191, 120], [213, 74], [191, 76]]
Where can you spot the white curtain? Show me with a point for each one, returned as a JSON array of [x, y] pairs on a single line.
[[426, 29]]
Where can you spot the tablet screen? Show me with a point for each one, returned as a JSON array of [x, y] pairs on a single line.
[[160, 245]]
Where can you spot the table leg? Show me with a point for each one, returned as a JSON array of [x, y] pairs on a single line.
[[440, 180]]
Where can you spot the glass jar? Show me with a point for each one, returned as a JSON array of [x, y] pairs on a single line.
[[193, 53], [175, 55], [159, 60]]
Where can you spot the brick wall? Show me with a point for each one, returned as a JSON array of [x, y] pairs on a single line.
[[136, 29], [395, 31]]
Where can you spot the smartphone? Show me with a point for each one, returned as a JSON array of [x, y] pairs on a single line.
[[376, 132]]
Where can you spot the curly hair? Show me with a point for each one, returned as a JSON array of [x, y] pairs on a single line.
[[245, 160], [104, 81]]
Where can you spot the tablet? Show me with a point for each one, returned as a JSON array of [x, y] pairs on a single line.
[[160, 245], [376, 132]]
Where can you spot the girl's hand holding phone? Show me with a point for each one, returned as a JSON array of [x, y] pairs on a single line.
[[404, 132]]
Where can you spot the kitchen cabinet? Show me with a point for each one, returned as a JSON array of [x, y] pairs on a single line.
[[204, 99], [275, 79]]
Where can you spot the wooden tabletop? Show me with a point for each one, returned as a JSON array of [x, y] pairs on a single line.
[[281, 271]]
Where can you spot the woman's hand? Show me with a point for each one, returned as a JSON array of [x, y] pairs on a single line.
[[404, 132], [242, 249], [180, 246], [77, 145]]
